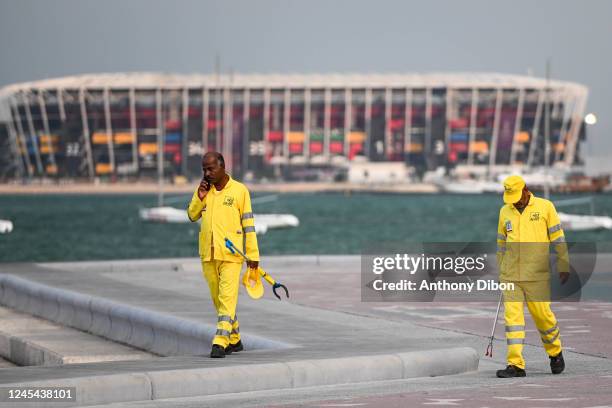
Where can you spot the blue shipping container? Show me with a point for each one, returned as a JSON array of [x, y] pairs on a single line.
[[458, 137], [173, 137]]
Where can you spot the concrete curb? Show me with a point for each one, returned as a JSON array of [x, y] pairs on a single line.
[[156, 332], [25, 353], [255, 377]]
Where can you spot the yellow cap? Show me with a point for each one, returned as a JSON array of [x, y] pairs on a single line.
[[513, 189], [252, 283]]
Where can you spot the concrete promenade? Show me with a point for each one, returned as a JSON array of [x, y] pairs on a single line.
[[312, 346]]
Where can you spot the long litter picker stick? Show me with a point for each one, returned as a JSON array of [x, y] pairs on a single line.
[[275, 285], [489, 352]]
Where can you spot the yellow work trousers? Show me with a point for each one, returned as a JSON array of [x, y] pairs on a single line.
[[223, 280], [536, 294]]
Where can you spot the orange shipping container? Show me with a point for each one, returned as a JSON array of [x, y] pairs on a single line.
[[99, 138], [45, 149], [357, 137], [479, 147], [295, 137], [414, 148], [522, 137], [124, 138], [147, 148], [46, 139], [103, 168]]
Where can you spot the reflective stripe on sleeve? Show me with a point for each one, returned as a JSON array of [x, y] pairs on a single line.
[[554, 228], [246, 216], [224, 318], [559, 240], [249, 229]]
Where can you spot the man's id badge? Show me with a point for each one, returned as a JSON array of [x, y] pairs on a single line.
[[508, 226]]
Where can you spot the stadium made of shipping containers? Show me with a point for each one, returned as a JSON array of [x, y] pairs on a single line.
[[136, 125]]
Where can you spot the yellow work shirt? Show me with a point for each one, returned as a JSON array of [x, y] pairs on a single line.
[[523, 241], [225, 214]]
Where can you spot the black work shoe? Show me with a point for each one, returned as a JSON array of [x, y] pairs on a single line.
[[557, 364], [217, 351], [234, 348], [510, 372]]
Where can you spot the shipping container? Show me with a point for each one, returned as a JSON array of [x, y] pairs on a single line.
[[357, 137], [522, 137], [295, 137], [336, 147], [173, 138], [296, 148], [147, 148], [103, 168], [414, 148], [124, 138], [316, 147], [316, 137], [100, 138], [275, 136], [458, 137]]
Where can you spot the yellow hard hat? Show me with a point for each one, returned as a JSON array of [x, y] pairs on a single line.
[[513, 189], [252, 283]]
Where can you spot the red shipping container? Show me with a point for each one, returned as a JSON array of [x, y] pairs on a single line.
[[336, 147], [275, 136], [296, 147], [460, 123], [316, 147], [396, 124], [172, 148], [212, 124], [173, 124], [458, 147]]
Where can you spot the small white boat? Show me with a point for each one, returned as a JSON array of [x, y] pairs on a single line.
[[575, 222], [6, 226], [471, 187], [263, 223]]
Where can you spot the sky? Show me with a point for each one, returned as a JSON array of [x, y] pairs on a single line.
[[53, 38]]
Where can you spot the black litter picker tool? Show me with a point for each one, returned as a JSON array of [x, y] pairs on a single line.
[[275, 285]]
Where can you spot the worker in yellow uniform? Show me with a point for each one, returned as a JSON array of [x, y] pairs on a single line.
[[224, 205], [527, 227]]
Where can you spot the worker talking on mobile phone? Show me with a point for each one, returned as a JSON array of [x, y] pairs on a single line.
[[224, 205]]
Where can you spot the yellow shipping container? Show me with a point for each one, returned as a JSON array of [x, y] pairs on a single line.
[[99, 138], [51, 169], [414, 148], [103, 168], [522, 137], [147, 148], [45, 138], [124, 138], [357, 137], [295, 137]]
